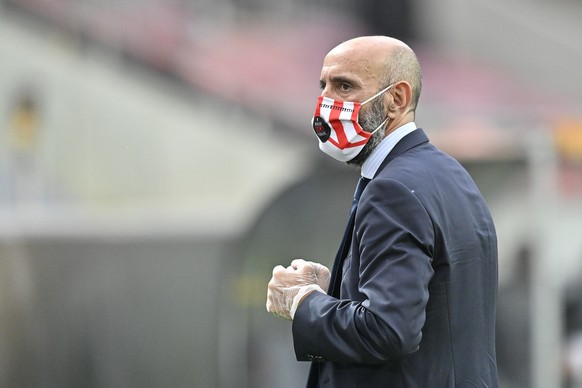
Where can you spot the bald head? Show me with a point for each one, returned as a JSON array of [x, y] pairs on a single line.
[[371, 46], [378, 61]]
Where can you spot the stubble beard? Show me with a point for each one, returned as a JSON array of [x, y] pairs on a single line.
[[369, 121]]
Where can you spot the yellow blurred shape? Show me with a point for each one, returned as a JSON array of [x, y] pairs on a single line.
[[568, 140], [250, 290]]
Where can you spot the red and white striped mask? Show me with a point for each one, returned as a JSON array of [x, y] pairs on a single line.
[[336, 125]]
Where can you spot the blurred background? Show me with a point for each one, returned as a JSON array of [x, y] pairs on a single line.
[[156, 161]]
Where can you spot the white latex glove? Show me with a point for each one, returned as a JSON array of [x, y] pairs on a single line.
[[290, 285]]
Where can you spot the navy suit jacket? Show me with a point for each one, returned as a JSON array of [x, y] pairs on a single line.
[[416, 306]]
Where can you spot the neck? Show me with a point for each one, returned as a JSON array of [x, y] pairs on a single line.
[[398, 122]]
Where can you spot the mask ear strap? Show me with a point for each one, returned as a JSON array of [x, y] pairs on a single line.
[[377, 94], [379, 126]]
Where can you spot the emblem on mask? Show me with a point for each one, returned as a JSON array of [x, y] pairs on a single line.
[[321, 128]]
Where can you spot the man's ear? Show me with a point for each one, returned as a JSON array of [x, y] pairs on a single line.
[[401, 97]]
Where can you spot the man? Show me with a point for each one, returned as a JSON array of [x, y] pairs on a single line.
[[411, 299]]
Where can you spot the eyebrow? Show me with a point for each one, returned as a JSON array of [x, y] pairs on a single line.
[[338, 80]]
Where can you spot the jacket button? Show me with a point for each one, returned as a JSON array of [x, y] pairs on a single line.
[[315, 358]]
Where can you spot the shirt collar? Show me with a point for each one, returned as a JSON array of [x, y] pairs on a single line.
[[373, 162]]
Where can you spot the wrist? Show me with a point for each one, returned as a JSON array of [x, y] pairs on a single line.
[[301, 294]]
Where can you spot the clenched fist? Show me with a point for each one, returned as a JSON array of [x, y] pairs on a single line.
[[290, 285]]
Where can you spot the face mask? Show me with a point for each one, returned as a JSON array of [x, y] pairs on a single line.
[[337, 127]]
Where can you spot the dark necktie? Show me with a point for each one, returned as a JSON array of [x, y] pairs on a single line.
[[342, 253]]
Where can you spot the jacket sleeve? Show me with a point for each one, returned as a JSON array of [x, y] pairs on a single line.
[[394, 239]]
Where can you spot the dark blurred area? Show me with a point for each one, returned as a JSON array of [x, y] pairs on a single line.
[[156, 162]]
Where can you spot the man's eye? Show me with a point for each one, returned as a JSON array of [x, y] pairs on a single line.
[[345, 87]]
